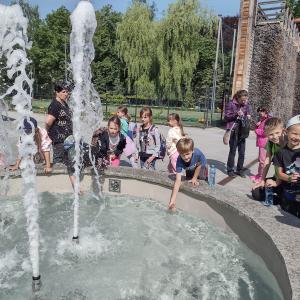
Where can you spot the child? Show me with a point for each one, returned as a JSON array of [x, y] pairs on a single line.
[[174, 135], [287, 161], [111, 144], [125, 118], [273, 129], [148, 139], [261, 140], [191, 159], [42, 141]]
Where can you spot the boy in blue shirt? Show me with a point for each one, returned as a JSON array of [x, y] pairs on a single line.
[[193, 161]]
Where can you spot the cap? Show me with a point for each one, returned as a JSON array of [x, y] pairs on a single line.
[[27, 126], [293, 121]]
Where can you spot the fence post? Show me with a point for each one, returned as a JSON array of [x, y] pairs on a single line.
[[169, 100], [106, 102], [205, 108], [135, 103], [216, 65]]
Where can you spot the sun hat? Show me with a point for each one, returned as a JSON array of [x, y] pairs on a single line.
[[293, 121], [27, 126]]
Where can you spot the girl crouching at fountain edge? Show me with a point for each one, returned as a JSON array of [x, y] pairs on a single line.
[[111, 144], [42, 141]]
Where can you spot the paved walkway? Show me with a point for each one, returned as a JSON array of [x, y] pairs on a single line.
[[209, 141]]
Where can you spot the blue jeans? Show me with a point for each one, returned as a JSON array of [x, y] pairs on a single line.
[[233, 144], [143, 160]]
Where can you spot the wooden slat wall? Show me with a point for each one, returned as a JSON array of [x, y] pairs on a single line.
[[245, 45]]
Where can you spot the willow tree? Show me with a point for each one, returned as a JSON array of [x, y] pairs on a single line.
[[136, 43], [178, 37]]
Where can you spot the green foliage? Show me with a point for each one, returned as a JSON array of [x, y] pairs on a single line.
[[166, 53], [107, 68], [136, 42], [294, 6], [48, 51], [179, 36]]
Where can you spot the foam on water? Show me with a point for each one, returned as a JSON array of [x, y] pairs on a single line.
[[87, 110], [14, 33], [135, 250]]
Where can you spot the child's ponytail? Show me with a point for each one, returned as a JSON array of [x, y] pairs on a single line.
[[123, 109], [37, 138], [176, 117]]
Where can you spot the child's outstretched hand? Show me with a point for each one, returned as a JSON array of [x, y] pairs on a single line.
[[193, 182], [136, 160], [13, 168], [48, 170], [258, 123], [171, 206]]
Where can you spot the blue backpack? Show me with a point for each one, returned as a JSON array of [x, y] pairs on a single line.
[[132, 129], [163, 145]]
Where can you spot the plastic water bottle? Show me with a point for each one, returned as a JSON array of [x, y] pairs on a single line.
[[269, 196], [212, 175]]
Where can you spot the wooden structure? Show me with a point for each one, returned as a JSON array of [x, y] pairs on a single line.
[[255, 13]]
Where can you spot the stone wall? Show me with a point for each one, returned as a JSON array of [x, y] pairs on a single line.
[[274, 75]]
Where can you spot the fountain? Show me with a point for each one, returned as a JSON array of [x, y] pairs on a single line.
[[87, 110], [14, 43], [137, 249]]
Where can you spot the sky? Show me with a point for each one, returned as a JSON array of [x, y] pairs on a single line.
[[224, 7]]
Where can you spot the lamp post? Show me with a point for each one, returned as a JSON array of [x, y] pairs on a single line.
[[65, 32]]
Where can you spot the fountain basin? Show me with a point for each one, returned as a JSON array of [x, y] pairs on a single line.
[[268, 232]]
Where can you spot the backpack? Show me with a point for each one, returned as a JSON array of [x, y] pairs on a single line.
[[163, 145], [244, 128], [132, 129]]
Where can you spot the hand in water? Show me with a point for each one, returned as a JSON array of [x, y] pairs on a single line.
[[172, 206]]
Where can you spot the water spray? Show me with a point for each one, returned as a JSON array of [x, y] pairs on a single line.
[[87, 114], [13, 44]]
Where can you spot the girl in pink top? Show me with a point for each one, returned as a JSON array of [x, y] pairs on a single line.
[[42, 141], [261, 141]]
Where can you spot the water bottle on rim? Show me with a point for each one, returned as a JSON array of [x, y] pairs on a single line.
[[212, 176]]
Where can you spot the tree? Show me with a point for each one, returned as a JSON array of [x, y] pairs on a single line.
[[181, 32], [166, 52], [294, 6], [107, 68], [136, 44], [48, 51]]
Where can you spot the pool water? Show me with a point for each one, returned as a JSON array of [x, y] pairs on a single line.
[[133, 249]]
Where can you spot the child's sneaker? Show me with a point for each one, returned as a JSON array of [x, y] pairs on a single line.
[[258, 179], [254, 176]]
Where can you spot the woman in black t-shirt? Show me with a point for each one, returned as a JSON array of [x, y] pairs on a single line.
[[59, 123], [59, 126]]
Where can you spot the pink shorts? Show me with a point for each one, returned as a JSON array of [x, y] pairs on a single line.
[[172, 163], [130, 147], [114, 162]]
